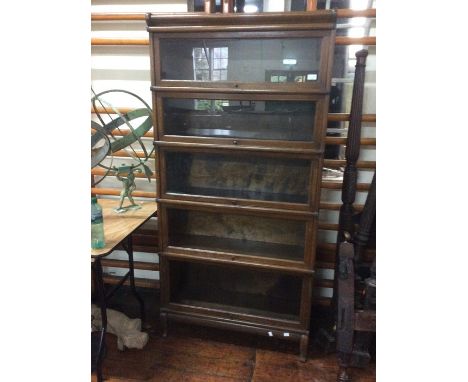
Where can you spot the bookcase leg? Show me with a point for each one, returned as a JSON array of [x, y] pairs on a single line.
[[304, 345], [343, 375], [344, 360], [163, 317]]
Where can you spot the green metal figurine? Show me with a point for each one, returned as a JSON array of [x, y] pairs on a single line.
[[126, 175]]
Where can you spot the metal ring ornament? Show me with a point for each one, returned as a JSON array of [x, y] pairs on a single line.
[[127, 140]]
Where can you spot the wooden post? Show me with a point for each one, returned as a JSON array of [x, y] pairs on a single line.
[[365, 222], [343, 296], [353, 146], [228, 6], [311, 5], [210, 6]]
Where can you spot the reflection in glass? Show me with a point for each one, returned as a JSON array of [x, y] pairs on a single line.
[[246, 60], [210, 64], [239, 234], [276, 120], [240, 176]]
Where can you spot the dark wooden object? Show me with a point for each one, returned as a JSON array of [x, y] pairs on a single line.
[[228, 6], [351, 245], [234, 158], [349, 319], [353, 147]]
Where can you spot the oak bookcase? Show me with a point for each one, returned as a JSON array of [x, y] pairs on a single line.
[[240, 106]]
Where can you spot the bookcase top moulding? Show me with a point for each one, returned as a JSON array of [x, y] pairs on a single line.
[[198, 21]]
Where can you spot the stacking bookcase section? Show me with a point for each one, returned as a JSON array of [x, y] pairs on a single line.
[[236, 177], [265, 300], [251, 59], [243, 120], [272, 52], [264, 238], [240, 103]]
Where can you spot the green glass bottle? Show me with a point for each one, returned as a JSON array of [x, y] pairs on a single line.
[[97, 225]]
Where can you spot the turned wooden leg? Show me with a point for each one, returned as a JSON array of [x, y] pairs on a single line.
[[343, 375], [344, 360], [304, 346], [163, 317]]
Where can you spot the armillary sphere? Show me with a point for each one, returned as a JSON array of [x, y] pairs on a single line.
[[104, 141]]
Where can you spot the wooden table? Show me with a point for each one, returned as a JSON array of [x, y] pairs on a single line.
[[118, 226], [118, 229]]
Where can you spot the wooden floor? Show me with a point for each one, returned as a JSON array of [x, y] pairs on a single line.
[[198, 354]]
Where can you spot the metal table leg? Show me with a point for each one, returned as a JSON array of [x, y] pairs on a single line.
[[102, 302], [129, 249]]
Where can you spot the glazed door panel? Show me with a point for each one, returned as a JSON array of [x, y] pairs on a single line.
[[248, 60], [238, 177], [239, 235], [242, 119], [235, 290], [293, 123]]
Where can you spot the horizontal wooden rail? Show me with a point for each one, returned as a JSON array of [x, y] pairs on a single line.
[[116, 192], [335, 163], [122, 132], [326, 253], [339, 40], [331, 247], [150, 241], [323, 283], [340, 13], [345, 40], [326, 261], [343, 117], [119, 41], [348, 13], [117, 16], [324, 265], [337, 206], [332, 117], [126, 154], [328, 226], [333, 185], [124, 264], [121, 110], [139, 282], [145, 231], [342, 141], [145, 248], [321, 301]]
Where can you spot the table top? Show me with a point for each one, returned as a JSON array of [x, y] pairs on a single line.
[[117, 226]]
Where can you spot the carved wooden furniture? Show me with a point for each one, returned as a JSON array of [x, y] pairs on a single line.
[[354, 313], [239, 157]]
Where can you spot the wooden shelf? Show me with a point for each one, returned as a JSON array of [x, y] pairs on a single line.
[[241, 247]]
